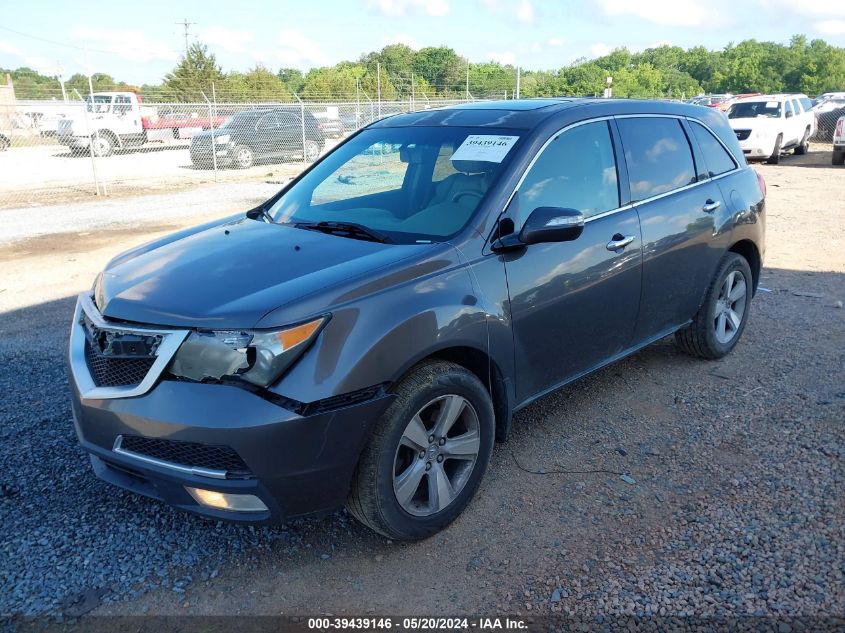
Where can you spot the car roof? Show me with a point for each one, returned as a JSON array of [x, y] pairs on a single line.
[[531, 113]]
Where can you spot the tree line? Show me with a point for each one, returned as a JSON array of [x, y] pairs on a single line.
[[399, 72]]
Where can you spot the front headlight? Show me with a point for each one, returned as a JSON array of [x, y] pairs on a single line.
[[256, 356], [222, 139]]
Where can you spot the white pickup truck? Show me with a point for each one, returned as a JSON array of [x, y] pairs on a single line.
[[114, 120], [767, 125]]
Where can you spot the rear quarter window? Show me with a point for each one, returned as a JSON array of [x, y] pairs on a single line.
[[717, 160], [658, 155]]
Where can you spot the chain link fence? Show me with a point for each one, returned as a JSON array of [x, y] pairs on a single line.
[[55, 150]]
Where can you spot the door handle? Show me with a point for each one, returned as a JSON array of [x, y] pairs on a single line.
[[711, 205], [619, 242]]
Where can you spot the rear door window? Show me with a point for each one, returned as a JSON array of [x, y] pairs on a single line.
[[716, 158], [658, 155]]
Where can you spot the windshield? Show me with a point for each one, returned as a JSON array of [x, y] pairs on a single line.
[[752, 109], [411, 184], [102, 103]]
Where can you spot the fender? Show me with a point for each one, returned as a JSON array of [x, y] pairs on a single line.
[[378, 336]]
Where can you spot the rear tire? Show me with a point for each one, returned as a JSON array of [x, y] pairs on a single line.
[[717, 327], [4, 143], [804, 145], [838, 157], [408, 486], [774, 159], [102, 145]]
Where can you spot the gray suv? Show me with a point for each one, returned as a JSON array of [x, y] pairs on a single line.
[[364, 336]]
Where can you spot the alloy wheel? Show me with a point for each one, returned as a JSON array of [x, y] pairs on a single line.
[[244, 157], [312, 151], [730, 306], [436, 455]]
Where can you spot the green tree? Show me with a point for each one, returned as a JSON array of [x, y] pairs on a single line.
[[193, 76], [442, 68], [257, 84], [292, 78]]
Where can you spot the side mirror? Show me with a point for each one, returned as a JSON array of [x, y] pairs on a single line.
[[545, 224], [552, 224], [788, 114]]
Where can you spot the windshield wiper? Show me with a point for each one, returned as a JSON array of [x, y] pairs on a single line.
[[346, 229]]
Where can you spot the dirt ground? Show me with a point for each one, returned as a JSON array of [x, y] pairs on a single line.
[[719, 453]]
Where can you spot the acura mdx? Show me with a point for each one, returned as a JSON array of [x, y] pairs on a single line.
[[364, 336]]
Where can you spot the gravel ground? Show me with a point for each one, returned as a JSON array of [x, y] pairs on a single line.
[[662, 484]]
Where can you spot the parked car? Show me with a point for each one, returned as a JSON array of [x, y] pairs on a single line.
[[768, 125], [364, 335], [331, 127], [717, 101], [839, 142], [258, 135], [827, 114]]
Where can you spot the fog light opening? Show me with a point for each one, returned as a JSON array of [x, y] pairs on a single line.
[[227, 501]]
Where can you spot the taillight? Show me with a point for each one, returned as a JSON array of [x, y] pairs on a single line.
[[762, 182], [839, 126]]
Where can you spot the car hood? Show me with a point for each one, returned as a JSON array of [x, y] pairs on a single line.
[[746, 123], [231, 275]]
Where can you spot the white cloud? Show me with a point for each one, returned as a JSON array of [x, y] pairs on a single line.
[[10, 49], [525, 12], [230, 40], [296, 51], [555, 41], [663, 12], [396, 8], [810, 9], [130, 45], [401, 38], [599, 49], [503, 57], [41, 64], [831, 27]]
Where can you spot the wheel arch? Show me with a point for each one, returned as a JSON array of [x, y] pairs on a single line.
[[488, 372], [749, 251], [114, 138]]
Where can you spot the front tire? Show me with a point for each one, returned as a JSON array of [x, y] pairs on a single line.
[[244, 157], [838, 157], [427, 453], [774, 159], [312, 151], [717, 327]]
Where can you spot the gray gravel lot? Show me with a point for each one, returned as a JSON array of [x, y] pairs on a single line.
[[733, 500]]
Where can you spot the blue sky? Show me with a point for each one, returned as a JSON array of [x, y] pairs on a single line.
[[139, 42]]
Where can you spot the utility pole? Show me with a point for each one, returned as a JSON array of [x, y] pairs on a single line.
[[187, 26], [378, 88], [516, 93], [466, 96], [61, 80]]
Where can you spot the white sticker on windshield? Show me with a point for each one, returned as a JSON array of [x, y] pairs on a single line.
[[771, 104], [486, 147]]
